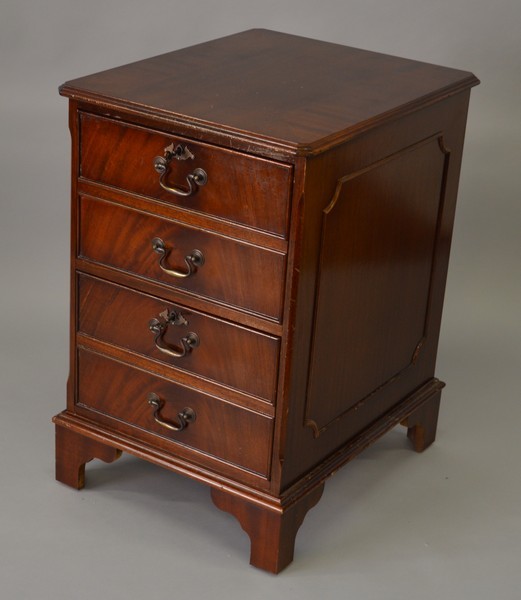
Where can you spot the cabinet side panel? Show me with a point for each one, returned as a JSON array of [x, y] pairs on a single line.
[[377, 220], [373, 282]]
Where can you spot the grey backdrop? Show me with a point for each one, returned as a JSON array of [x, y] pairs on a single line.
[[392, 524]]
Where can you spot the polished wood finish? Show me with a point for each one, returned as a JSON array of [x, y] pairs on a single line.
[[228, 432], [271, 531], [241, 188], [325, 225], [178, 296], [73, 451], [421, 424], [308, 444], [227, 354], [382, 222], [122, 238], [300, 95]]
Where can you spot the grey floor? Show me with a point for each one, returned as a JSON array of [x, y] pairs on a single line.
[[392, 524]]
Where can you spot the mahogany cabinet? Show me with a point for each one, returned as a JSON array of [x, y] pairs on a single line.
[[260, 238]]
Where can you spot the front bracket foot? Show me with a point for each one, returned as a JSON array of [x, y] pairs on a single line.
[[73, 450], [272, 531]]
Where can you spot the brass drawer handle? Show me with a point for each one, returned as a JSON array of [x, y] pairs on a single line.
[[186, 416], [188, 342], [193, 260], [194, 180]]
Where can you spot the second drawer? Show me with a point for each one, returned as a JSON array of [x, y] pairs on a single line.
[[215, 349], [191, 260]]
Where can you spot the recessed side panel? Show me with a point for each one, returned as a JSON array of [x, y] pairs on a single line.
[[377, 249]]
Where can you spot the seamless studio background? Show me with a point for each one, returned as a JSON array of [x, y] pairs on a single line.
[[391, 524]]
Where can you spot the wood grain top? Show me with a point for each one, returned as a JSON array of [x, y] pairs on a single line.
[[300, 94]]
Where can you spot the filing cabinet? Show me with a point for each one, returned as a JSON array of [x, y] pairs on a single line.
[[261, 228]]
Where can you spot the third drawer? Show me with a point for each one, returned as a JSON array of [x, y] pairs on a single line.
[[213, 348]]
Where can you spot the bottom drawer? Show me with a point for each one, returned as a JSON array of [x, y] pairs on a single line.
[[225, 431]]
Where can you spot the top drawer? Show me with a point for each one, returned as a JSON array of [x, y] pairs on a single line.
[[248, 190]]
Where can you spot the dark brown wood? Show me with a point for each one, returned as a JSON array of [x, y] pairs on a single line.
[[75, 150], [122, 238], [382, 223], [318, 307], [271, 531], [119, 391], [176, 296], [231, 355], [187, 379], [388, 362], [369, 435], [301, 93], [241, 188], [421, 424], [73, 451], [202, 468], [171, 211]]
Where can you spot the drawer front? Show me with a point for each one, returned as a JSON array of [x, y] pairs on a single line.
[[251, 191], [227, 432], [233, 272], [229, 354]]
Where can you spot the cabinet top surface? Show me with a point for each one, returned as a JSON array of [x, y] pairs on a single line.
[[273, 87]]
